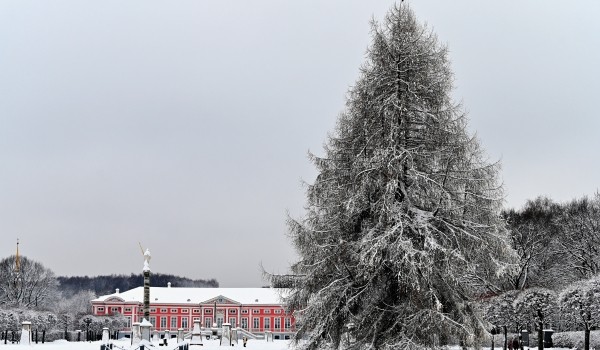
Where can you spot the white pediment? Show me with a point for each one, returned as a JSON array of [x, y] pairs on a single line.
[[115, 299], [221, 300]]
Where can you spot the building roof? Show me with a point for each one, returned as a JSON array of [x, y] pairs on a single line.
[[175, 295]]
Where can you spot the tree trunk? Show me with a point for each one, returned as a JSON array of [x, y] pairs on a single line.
[[586, 341], [521, 346], [540, 337], [43, 336], [505, 338]]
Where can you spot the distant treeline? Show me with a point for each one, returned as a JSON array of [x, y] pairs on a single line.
[[102, 285]]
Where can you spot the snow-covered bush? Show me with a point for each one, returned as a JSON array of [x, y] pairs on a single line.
[[52, 335], [500, 311], [9, 320], [575, 340], [537, 305], [579, 307]]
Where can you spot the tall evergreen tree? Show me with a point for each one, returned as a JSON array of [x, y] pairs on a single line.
[[402, 225]]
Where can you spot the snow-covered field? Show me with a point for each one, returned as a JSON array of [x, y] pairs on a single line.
[[208, 344]]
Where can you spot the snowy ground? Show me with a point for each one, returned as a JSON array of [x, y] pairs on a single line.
[[208, 344]]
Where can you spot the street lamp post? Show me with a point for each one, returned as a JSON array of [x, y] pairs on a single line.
[[87, 321], [66, 321]]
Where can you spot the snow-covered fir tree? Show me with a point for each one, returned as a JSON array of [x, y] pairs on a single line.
[[402, 225]]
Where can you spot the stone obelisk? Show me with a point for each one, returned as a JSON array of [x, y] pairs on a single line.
[[146, 271]]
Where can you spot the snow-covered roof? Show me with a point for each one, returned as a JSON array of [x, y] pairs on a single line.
[[175, 295]]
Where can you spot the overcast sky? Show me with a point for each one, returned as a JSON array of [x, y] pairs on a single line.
[[185, 125]]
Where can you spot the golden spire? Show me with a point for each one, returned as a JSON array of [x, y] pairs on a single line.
[[17, 259]]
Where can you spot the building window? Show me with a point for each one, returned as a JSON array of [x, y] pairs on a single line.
[[173, 322], [184, 322], [153, 321], [128, 319], [256, 323], [288, 323], [244, 311], [185, 311], [219, 321], [208, 322], [255, 311], [277, 311], [127, 309], [163, 322], [208, 311], [196, 319], [173, 311], [152, 309], [100, 309], [267, 311], [196, 311], [267, 323], [232, 311], [245, 322], [277, 323], [232, 322], [163, 311]]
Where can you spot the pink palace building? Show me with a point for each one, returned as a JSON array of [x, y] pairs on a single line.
[[256, 310]]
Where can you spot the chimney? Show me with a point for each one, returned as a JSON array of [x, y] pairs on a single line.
[[168, 284], [117, 291]]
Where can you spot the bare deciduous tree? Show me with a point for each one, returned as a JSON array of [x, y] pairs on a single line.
[[579, 240], [533, 233], [31, 285]]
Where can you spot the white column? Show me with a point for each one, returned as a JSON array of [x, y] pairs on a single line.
[[179, 335], [136, 337], [26, 333], [196, 334], [145, 329], [105, 337]]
